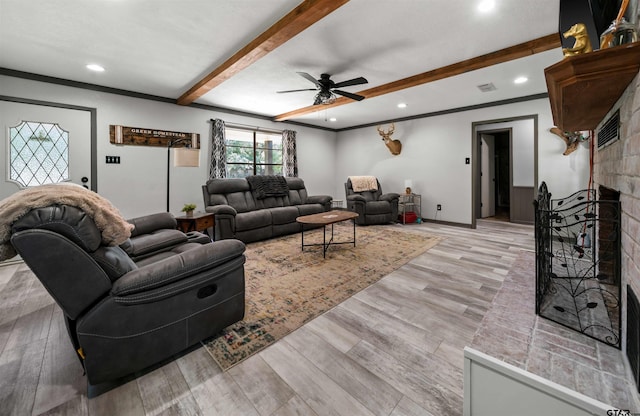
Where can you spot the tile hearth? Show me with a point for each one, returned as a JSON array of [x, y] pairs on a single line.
[[510, 331]]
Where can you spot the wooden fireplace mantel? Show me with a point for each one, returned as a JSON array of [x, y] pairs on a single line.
[[583, 88]]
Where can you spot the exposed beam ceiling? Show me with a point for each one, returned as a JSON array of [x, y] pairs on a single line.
[[300, 18], [161, 52], [521, 50]]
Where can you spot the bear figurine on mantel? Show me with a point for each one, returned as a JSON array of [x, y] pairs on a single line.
[[582, 44]]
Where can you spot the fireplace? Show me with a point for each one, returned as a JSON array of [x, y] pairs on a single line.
[[578, 262], [633, 335], [608, 239]]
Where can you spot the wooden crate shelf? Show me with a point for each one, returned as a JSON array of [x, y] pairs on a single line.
[[583, 88]]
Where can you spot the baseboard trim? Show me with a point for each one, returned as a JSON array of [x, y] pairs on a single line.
[[522, 222], [453, 224]]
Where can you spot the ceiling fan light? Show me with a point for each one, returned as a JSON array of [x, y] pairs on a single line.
[[324, 97]]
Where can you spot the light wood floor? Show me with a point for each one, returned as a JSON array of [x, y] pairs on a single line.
[[393, 349]]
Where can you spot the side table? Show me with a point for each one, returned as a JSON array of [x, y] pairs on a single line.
[[410, 203], [199, 221]]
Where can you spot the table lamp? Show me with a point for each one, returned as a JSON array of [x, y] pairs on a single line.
[[407, 186], [183, 157]]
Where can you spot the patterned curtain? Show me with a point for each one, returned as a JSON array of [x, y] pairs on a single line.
[[289, 156], [218, 168]]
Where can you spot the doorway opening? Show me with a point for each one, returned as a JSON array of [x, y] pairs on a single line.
[[498, 188], [494, 173]]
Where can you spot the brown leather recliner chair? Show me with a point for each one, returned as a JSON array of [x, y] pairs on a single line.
[[126, 312], [373, 206]]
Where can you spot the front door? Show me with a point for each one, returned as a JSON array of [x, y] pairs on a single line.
[[43, 140]]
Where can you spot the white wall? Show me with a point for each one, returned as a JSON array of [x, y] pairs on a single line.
[[433, 155], [433, 152], [137, 185]]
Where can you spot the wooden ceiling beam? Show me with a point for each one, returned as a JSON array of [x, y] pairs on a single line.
[[521, 50], [304, 15]]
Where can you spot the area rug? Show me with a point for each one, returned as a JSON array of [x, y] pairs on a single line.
[[287, 287]]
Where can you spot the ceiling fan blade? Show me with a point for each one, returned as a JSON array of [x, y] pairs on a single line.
[[349, 95], [355, 81], [310, 78], [306, 89]]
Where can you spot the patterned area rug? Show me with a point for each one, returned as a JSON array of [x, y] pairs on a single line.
[[287, 287]]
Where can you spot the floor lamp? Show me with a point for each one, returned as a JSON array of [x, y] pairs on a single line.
[[183, 157]]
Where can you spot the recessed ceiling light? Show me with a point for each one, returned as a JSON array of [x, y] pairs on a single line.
[[95, 67], [402, 105], [520, 80], [332, 119], [486, 5]]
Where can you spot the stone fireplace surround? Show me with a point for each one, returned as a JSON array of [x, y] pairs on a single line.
[[617, 167]]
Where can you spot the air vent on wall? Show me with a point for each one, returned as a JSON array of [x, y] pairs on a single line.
[[487, 87], [610, 130]]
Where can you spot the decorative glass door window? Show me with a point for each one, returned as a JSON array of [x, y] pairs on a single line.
[[38, 153]]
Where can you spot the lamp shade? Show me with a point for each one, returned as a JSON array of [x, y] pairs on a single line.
[[407, 186], [185, 157]]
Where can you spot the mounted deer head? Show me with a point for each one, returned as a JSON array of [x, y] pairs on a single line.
[[394, 145]]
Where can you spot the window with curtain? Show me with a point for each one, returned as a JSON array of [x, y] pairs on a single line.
[[252, 152]]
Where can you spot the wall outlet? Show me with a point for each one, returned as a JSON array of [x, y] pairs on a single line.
[[439, 207], [112, 159]]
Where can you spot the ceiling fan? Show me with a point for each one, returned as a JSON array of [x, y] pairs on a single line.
[[326, 88]]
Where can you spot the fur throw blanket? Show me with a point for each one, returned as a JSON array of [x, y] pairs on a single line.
[[363, 183], [115, 229]]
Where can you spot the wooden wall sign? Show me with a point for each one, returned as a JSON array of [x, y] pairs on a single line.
[[151, 137]]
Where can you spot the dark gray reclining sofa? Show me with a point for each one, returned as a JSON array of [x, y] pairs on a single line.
[[132, 306], [242, 212]]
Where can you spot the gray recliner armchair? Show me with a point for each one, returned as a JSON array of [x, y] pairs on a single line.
[[373, 206], [130, 306]]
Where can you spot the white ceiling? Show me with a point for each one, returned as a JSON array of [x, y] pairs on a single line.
[[163, 47]]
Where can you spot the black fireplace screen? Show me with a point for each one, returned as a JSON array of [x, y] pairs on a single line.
[[578, 263]]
